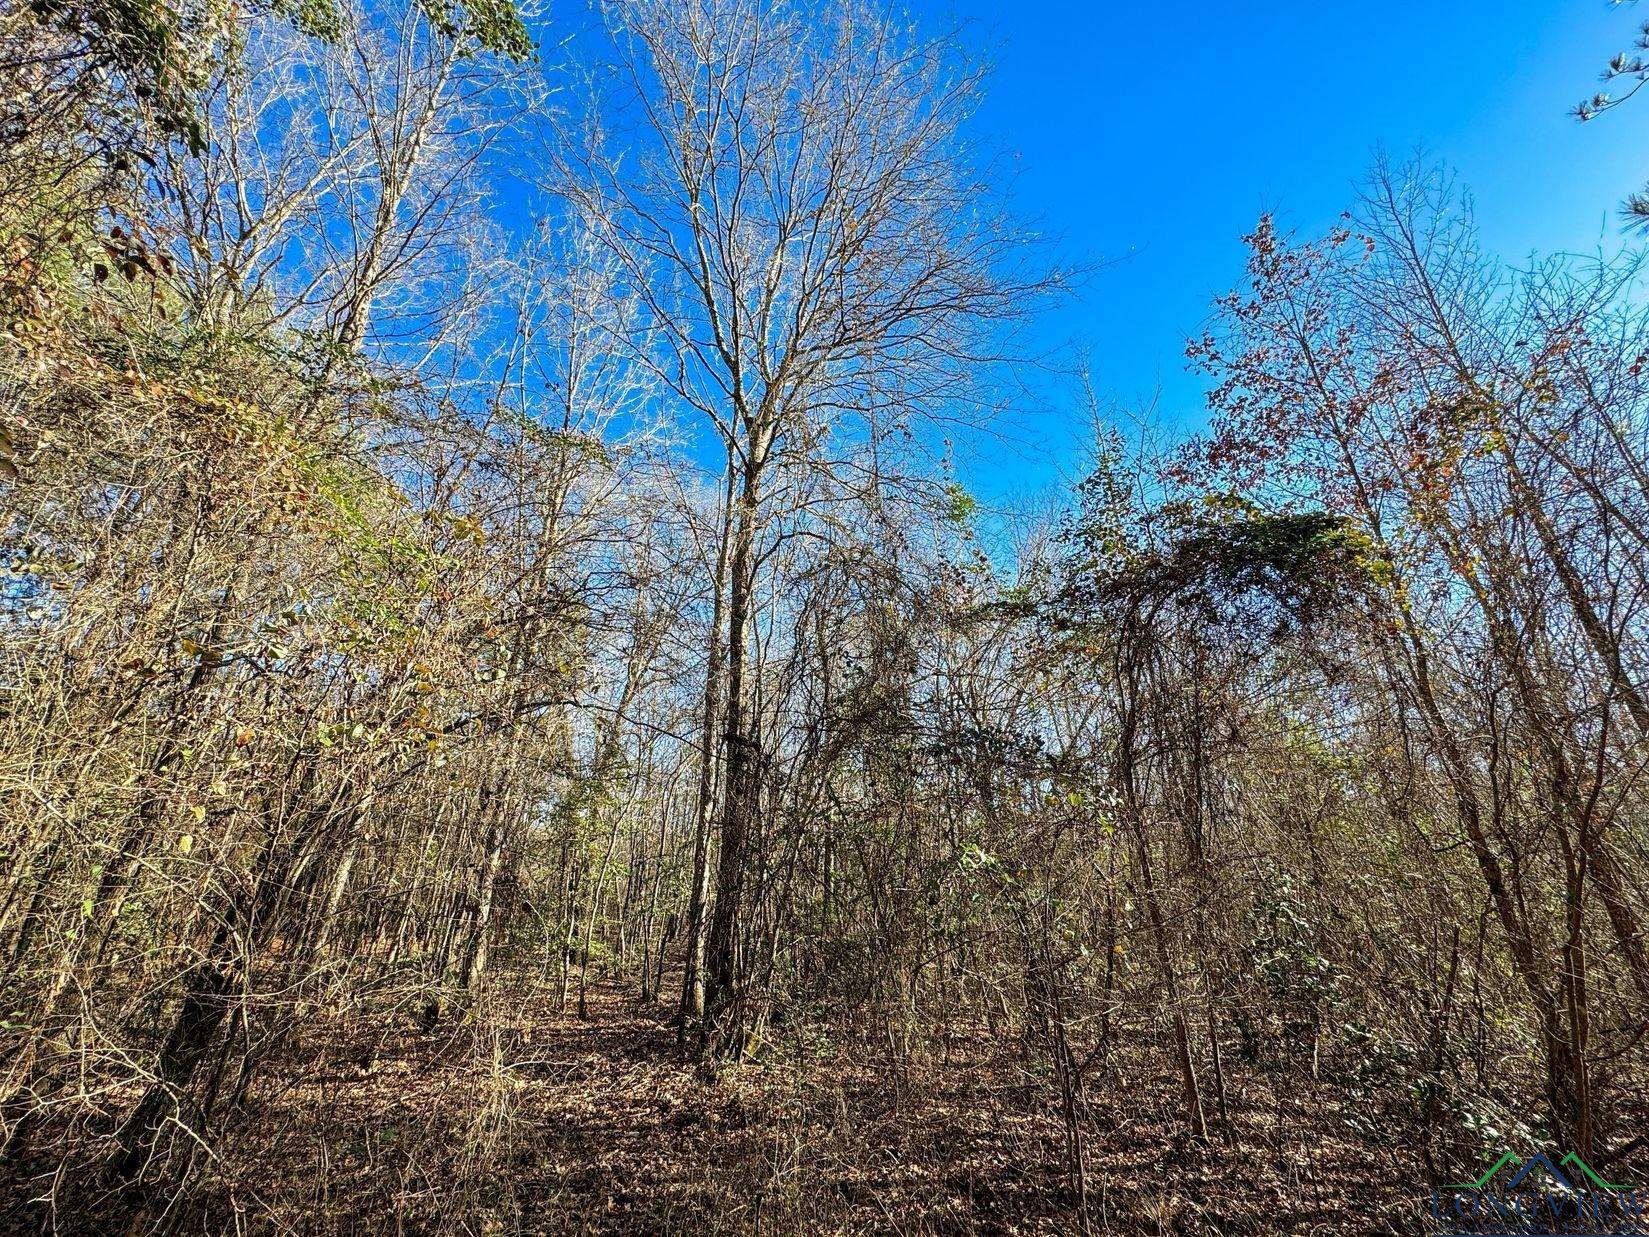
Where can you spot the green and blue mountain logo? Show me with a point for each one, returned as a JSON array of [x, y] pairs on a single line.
[[1569, 1173], [1542, 1197]]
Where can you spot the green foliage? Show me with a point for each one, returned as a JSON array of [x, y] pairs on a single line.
[[163, 52], [1285, 956], [960, 506], [1225, 561], [486, 25], [1106, 528]]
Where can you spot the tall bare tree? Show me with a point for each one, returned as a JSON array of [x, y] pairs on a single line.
[[790, 196]]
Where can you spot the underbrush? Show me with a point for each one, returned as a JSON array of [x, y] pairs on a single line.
[[514, 1118]]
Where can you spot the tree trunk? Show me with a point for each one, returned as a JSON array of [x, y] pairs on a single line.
[[692, 986], [725, 1033]]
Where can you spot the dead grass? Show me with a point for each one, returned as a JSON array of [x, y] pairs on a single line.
[[540, 1123]]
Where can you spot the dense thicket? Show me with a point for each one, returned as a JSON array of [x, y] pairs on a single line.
[[463, 543]]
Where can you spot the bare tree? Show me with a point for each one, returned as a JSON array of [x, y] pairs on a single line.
[[788, 198]]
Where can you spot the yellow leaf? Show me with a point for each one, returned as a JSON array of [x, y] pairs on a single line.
[[186, 843]]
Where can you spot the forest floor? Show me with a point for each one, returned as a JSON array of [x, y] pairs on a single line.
[[545, 1123]]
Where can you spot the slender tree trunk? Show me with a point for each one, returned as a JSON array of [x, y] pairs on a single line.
[[724, 998], [596, 897], [473, 964], [692, 987]]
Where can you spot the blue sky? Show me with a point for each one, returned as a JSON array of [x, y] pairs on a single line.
[[1151, 135]]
